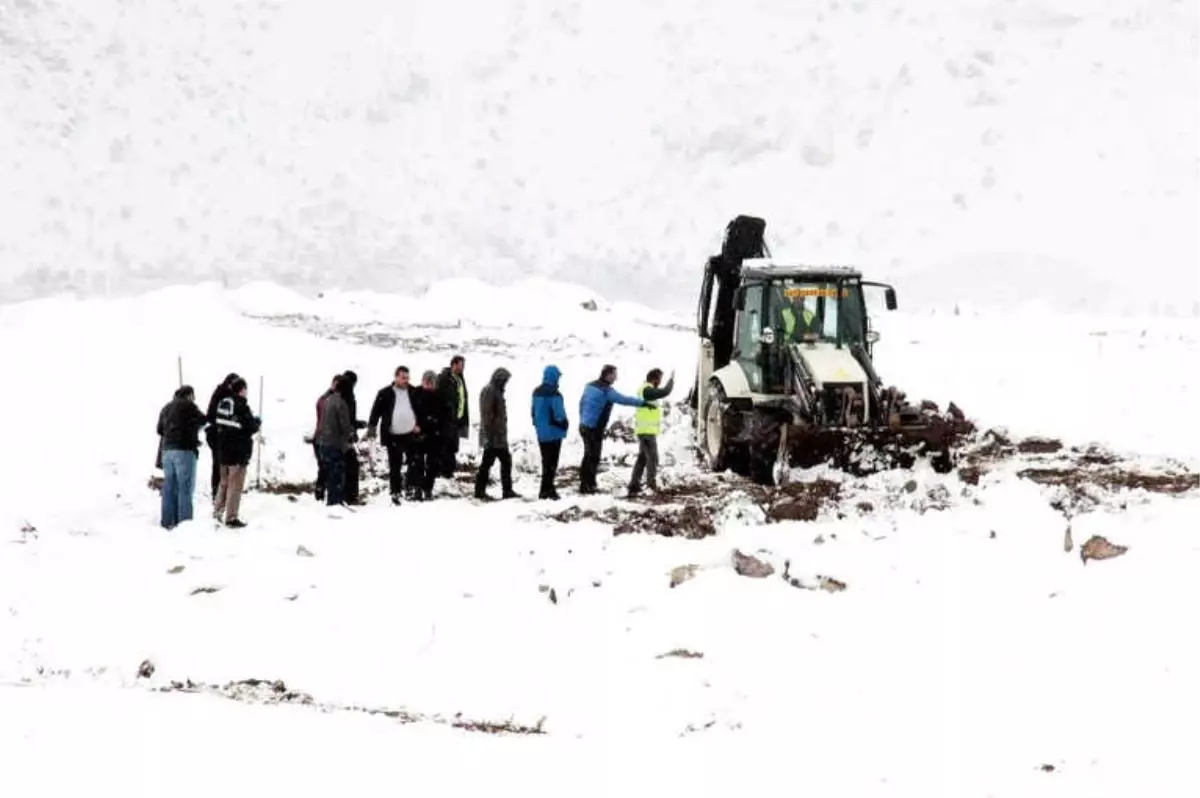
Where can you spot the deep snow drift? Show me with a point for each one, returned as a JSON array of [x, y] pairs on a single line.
[[968, 653], [1047, 148]]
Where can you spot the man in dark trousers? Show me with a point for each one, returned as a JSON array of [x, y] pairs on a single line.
[[396, 413], [647, 423], [319, 488], [236, 427], [179, 424], [452, 388], [346, 387], [493, 436], [595, 408], [334, 436], [210, 434], [550, 423], [433, 413]]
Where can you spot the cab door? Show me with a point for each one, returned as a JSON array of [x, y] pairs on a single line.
[[751, 319]]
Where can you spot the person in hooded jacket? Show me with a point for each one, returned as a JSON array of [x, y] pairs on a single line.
[[595, 408], [493, 436], [210, 434], [334, 436], [319, 487], [179, 425], [346, 388], [551, 425], [236, 427]]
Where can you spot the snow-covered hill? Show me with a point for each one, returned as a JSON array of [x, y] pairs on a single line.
[[968, 653], [389, 145]]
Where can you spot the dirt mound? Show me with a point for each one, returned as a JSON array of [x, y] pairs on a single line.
[[801, 501], [1078, 477], [690, 521], [1081, 471]]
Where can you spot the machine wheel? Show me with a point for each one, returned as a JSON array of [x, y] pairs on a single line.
[[717, 449]]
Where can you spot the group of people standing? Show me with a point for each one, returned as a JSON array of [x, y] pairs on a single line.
[[229, 427], [551, 424], [420, 427]]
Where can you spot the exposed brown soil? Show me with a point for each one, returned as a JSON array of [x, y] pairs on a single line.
[[800, 501], [1112, 479], [691, 521]]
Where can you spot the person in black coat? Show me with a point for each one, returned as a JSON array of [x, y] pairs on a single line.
[[179, 425], [433, 413], [346, 387], [397, 414], [456, 424], [210, 434], [236, 428]]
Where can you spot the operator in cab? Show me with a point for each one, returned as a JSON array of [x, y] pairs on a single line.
[[797, 317]]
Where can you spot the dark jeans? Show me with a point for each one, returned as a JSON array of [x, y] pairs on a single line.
[[490, 456], [216, 468], [429, 458], [319, 487], [550, 452], [351, 482], [593, 442], [449, 441], [402, 451], [647, 460], [334, 460]]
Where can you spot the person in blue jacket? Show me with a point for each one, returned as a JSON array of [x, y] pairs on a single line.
[[595, 407], [550, 423]]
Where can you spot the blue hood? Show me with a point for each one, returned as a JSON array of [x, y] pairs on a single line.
[[550, 376]]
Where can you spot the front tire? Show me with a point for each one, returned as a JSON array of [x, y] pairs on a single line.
[[717, 450]]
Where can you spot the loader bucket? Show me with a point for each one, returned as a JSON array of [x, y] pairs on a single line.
[[866, 450]]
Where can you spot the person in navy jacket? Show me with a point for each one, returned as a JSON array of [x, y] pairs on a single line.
[[550, 423], [595, 408]]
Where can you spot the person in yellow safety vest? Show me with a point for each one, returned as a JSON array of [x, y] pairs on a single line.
[[647, 423], [452, 390], [788, 316]]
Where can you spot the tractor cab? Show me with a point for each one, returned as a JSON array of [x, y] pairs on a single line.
[[812, 307]]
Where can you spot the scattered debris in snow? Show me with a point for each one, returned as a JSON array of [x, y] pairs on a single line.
[[1098, 548], [751, 566]]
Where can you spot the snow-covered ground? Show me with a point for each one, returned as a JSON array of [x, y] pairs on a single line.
[[969, 655]]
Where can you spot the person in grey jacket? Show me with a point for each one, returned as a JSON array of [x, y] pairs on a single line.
[[334, 438], [493, 436]]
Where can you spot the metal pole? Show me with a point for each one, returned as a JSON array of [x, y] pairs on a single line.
[[179, 368]]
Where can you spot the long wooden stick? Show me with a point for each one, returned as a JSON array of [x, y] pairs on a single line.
[[258, 463]]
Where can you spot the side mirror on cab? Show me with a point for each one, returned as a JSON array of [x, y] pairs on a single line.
[[889, 298]]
